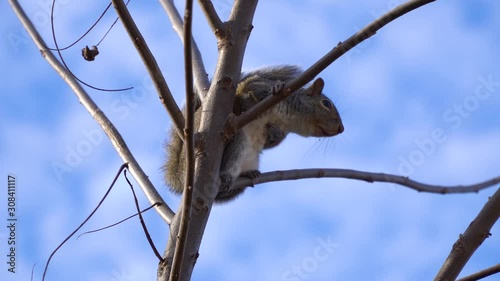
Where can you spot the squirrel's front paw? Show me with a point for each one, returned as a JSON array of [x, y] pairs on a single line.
[[252, 174], [274, 135], [226, 180], [278, 87]]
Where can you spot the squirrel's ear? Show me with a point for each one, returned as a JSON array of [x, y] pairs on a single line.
[[317, 87]]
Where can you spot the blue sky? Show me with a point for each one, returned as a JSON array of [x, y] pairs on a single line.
[[413, 99]]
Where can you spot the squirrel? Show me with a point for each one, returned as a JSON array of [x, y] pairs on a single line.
[[306, 112]]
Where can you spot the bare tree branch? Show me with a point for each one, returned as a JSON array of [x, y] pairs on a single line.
[[220, 97], [238, 122], [121, 147], [215, 23], [187, 197], [482, 274], [200, 74], [150, 62], [364, 176], [467, 243]]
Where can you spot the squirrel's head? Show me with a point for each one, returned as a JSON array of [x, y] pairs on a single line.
[[323, 118]]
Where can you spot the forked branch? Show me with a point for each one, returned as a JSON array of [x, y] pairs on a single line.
[[220, 94], [236, 123], [364, 176], [215, 23], [103, 121], [201, 82]]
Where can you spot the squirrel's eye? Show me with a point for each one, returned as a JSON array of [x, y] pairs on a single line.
[[328, 104]]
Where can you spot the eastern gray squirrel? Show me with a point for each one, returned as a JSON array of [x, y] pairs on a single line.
[[306, 112]]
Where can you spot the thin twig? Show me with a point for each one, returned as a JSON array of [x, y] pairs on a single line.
[[58, 51], [182, 235], [86, 32], [200, 74], [117, 223], [111, 27], [84, 221], [482, 274], [215, 23], [467, 243], [238, 122], [32, 271], [152, 66], [364, 176], [121, 147], [141, 219]]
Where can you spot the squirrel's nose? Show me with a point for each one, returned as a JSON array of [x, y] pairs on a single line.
[[341, 129]]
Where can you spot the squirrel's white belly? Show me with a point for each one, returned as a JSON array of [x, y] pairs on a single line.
[[255, 139], [250, 160]]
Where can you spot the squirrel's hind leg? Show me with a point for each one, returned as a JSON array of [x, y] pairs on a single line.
[[231, 166]]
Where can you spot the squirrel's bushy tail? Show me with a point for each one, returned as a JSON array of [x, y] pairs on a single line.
[[276, 73], [173, 176], [175, 163]]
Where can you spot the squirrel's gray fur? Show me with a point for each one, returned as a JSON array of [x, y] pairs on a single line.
[[306, 112]]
